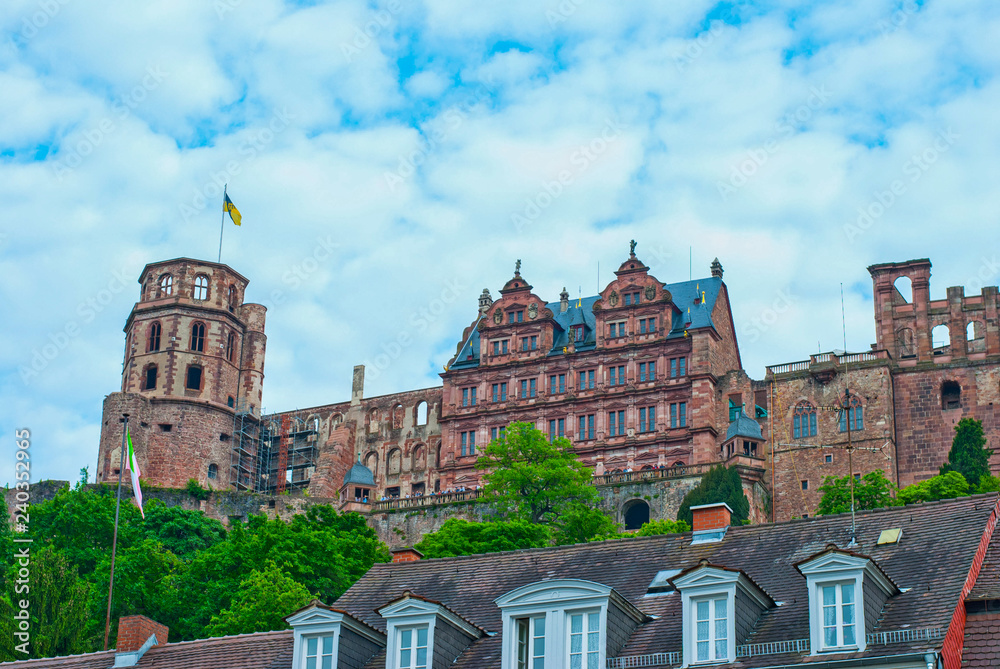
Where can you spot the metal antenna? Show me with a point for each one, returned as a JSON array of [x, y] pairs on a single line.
[[848, 418]]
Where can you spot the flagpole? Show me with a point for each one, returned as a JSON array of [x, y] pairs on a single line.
[[223, 226], [114, 540]]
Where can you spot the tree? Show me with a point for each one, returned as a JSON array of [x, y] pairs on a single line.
[[719, 484], [264, 598], [989, 484], [655, 527], [968, 455], [465, 537], [531, 478], [581, 523], [943, 486], [873, 491]]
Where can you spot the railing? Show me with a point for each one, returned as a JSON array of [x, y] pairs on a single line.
[[789, 367], [773, 648], [903, 636], [819, 358], [651, 660], [651, 474], [397, 503]]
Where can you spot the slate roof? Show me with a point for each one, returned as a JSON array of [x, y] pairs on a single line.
[[982, 641], [684, 294], [930, 564], [744, 426], [988, 583], [359, 475]]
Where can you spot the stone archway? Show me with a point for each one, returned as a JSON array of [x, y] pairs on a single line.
[[635, 513]]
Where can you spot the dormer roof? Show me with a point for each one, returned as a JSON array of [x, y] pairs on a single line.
[[744, 426]]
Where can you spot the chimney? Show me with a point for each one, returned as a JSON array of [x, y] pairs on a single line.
[[358, 385], [711, 516], [563, 301], [136, 634], [405, 554]]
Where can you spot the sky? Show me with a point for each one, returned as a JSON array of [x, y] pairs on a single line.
[[391, 159]]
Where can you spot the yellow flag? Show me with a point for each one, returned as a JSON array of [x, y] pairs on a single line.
[[234, 213]]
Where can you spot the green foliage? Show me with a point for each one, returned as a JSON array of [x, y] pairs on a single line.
[[194, 489], [944, 486], [464, 537], [664, 526], [989, 484], [719, 484], [873, 491], [581, 523], [533, 479], [264, 598], [57, 599], [968, 455]]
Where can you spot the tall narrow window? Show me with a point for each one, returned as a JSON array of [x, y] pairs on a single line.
[[201, 287], [711, 630], [153, 341], [584, 639], [531, 643], [193, 380], [319, 652], [150, 380], [838, 615], [231, 347], [804, 421], [855, 414], [231, 298], [166, 285], [413, 648], [198, 337]]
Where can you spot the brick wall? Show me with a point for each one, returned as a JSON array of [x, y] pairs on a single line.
[[133, 631]]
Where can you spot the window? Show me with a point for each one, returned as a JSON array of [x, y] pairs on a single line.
[[735, 406], [628, 299], [213, 471], [614, 424], [557, 383], [412, 647], [524, 344], [531, 642], [557, 428], [586, 427], [616, 330], [584, 640], [153, 341], [711, 630], [677, 367], [193, 381], [587, 380], [828, 458], [647, 419], [805, 485], [469, 396], [647, 325], [804, 421], [529, 387], [149, 382], [951, 395], [838, 615], [501, 347], [319, 652], [231, 401], [500, 392], [678, 414], [231, 347], [231, 298], [577, 333], [855, 414], [198, 337], [498, 432], [647, 371], [616, 375], [166, 285], [201, 287]]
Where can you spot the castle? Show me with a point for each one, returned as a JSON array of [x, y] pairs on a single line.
[[644, 378]]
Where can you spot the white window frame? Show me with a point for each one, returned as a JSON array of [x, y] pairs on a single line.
[[556, 600], [413, 612], [334, 637], [712, 620], [315, 622], [414, 631], [836, 567]]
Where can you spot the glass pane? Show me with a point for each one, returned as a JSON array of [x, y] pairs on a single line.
[[847, 593], [720, 629], [422, 636], [311, 663], [829, 616], [405, 638], [830, 636], [849, 635], [829, 595], [540, 626], [592, 660], [576, 623], [539, 646], [702, 650], [848, 614], [576, 661], [421, 657], [538, 663], [593, 621], [311, 646], [720, 608], [328, 662], [720, 649], [404, 658], [576, 643], [702, 610], [702, 630], [327, 645], [593, 641]]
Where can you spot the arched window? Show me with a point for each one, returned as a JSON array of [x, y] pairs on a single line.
[[419, 457], [371, 462], [231, 347], [392, 462], [149, 378], [437, 457], [940, 339], [166, 285], [201, 287], [193, 380], [975, 335], [636, 514], [335, 421], [904, 290], [397, 417], [213, 471], [421, 413], [951, 395], [904, 343], [855, 414], [198, 337], [804, 420], [153, 340], [231, 298], [372, 421]]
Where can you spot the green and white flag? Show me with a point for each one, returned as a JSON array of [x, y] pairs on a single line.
[[133, 467]]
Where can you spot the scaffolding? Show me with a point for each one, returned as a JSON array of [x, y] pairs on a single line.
[[247, 429], [273, 454]]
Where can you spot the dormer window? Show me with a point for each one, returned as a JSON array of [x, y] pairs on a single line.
[[414, 626], [846, 594], [324, 638], [578, 333]]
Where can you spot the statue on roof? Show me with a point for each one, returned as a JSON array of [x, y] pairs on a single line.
[[517, 267], [631, 249]]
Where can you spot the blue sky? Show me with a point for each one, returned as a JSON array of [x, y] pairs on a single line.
[[392, 159]]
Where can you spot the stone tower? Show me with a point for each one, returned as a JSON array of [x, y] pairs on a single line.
[[193, 371]]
